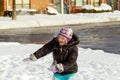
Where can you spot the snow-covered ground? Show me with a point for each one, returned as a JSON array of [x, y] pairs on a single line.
[[93, 64], [41, 20]]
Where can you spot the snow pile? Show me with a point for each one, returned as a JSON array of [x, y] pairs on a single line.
[[89, 7], [103, 6], [92, 64], [52, 11]]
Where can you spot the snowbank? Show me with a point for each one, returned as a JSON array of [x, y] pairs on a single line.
[[41, 20], [92, 64], [102, 6]]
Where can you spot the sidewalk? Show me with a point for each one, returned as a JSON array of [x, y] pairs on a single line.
[[54, 29], [42, 20]]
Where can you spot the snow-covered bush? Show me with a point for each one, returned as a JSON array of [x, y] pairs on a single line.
[[91, 9]]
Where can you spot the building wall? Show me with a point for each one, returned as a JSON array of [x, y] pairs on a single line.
[[5, 4], [103, 1], [5, 7], [88, 1], [39, 5], [119, 4], [9, 4]]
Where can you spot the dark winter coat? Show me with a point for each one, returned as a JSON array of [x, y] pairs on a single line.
[[66, 55]]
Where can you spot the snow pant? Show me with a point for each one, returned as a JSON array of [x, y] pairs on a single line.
[[62, 77]]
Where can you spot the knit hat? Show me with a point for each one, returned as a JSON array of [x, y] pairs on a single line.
[[67, 33]]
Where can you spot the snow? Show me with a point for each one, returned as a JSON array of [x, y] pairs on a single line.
[[102, 6], [89, 7], [52, 10], [41, 20], [92, 64]]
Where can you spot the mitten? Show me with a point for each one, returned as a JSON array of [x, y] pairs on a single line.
[[53, 68], [27, 59]]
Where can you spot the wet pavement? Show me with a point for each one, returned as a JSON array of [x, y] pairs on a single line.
[[105, 36], [107, 39]]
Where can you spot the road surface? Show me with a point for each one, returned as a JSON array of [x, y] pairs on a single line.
[[105, 36]]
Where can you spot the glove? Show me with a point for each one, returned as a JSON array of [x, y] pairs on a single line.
[[53, 68], [31, 58], [27, 59]]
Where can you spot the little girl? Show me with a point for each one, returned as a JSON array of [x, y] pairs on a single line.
[[65, 53]]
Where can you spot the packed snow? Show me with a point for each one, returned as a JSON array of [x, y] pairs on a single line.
[[92, 64]]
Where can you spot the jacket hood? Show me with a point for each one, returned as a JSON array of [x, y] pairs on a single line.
[[74, 41]]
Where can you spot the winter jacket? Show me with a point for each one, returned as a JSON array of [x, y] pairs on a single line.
[[64, 56]]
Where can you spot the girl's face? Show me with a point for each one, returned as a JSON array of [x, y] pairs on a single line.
[[61, 40]]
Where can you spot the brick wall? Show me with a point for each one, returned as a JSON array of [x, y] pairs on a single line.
[[103, 1], [39, 5], [5, 5], [9, 3], [88, 1], [119, 4]]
